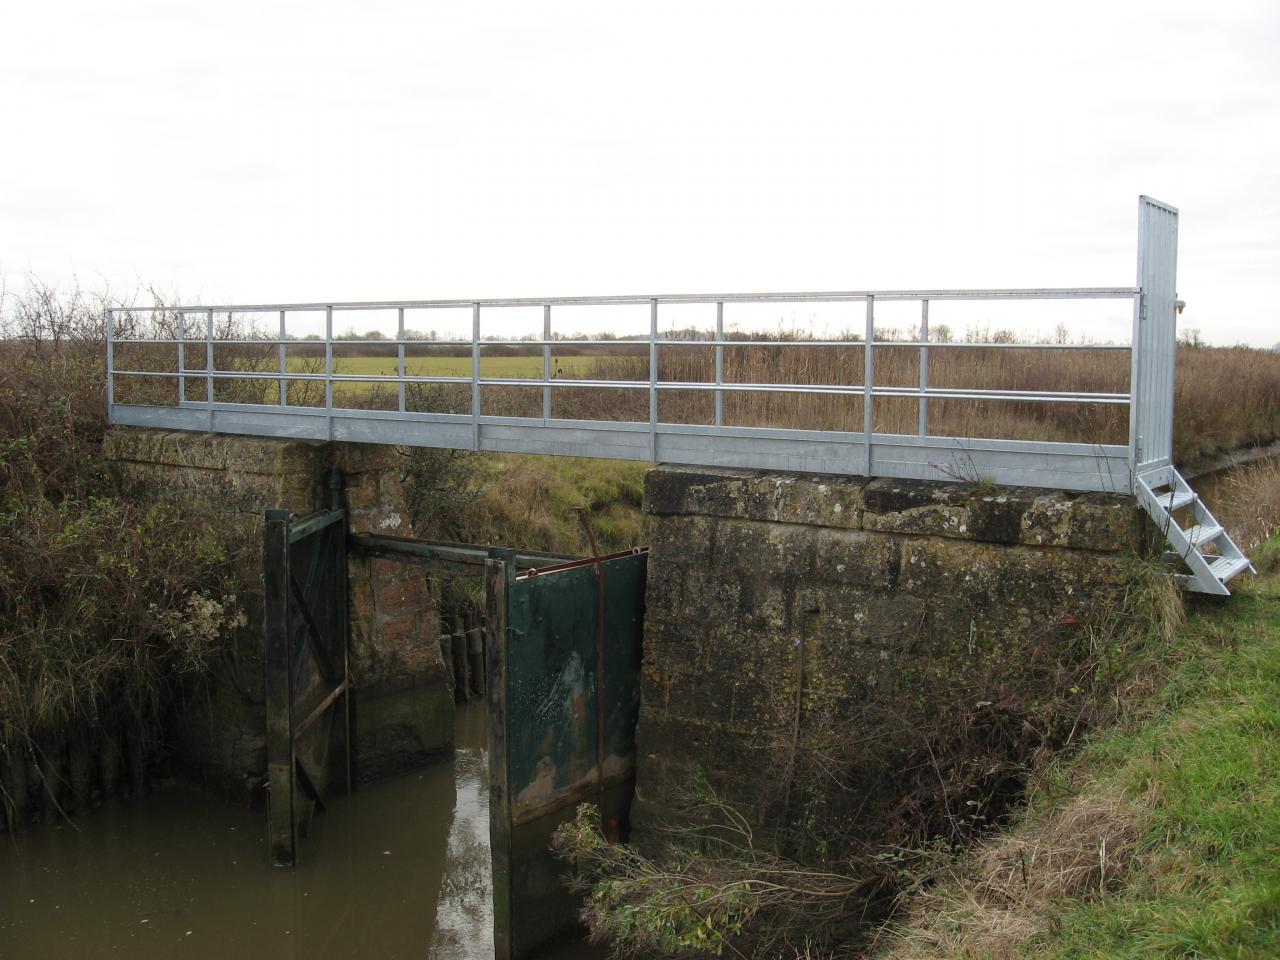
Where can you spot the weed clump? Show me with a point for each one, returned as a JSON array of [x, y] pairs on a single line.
[[856, 827], [111, 597]]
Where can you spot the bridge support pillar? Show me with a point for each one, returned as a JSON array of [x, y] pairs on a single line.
[[402, 709], [800, 622]]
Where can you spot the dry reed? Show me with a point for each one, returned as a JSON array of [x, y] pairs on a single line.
[[1208, 418]]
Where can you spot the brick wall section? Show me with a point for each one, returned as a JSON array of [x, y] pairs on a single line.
[[402, 707], [860, 604]]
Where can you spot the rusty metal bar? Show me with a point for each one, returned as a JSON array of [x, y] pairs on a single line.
[[309, 720], [600, 675], [464, 558]]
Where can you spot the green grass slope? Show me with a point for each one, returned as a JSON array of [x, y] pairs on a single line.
[[1206, 874], [1160, 839]]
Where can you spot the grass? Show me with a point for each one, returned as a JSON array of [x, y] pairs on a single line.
[[1160, 839], [527, 501]]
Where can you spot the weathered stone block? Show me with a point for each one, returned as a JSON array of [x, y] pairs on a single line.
[[1005, 515], [1009, 579], [746, 495], [913, 506], [857, 558], [395, 656], [784, 627]]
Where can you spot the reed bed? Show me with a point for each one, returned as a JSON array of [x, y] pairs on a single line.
[[1225, 397]]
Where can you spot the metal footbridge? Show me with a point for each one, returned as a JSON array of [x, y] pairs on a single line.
[[280, 396]]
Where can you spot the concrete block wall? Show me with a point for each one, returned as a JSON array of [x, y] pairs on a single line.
[[785, 610], [402, 706]]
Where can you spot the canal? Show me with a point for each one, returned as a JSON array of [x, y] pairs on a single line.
[[401, 870]]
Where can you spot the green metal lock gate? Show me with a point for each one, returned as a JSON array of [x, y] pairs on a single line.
[[558, 736]]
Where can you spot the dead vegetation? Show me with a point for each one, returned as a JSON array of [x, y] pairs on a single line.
[[987, 907], [1247, 502], [880, 808], [112, 597]]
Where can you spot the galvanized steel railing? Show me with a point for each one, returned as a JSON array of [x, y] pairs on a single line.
[[1038, 463]]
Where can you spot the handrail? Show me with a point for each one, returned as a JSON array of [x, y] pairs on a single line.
[[1093, 466], [1038, 293]]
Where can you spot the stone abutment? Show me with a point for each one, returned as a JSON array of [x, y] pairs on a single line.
[[834, 619], [402, 705]]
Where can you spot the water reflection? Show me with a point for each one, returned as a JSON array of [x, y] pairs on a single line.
[[400, 871], [464, 910]]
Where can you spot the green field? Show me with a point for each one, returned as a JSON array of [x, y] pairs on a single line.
[[515, 367]]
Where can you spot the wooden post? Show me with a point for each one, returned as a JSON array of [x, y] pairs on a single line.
[[475, 653], [281, 836], [495, 590]]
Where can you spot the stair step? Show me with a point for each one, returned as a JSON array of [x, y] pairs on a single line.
[[1177, 500], [1203, 534], [1206, 548], [1228, 567]]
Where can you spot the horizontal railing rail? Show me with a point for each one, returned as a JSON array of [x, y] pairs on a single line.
[[1085, 466], [1040, 293], [825, 443]]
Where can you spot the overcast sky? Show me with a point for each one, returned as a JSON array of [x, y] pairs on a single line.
[[259, 151]]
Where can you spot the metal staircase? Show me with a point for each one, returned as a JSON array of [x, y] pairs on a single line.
[[1206, 549]]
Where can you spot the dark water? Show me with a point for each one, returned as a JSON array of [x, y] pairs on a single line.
[[400, 870]]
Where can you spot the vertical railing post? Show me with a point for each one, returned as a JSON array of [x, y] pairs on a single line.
[[475, 376], [328, 367], [208, 362], [278, 678], [653, 380], [923, 428], [1135, 376], [111, 365], [400, 359], [719, 363], [1154, 343], [284, 364], [546, 361], [868, 376], [180, 326]]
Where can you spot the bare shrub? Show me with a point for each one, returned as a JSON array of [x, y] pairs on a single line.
[[109, 596], [881, 807]]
